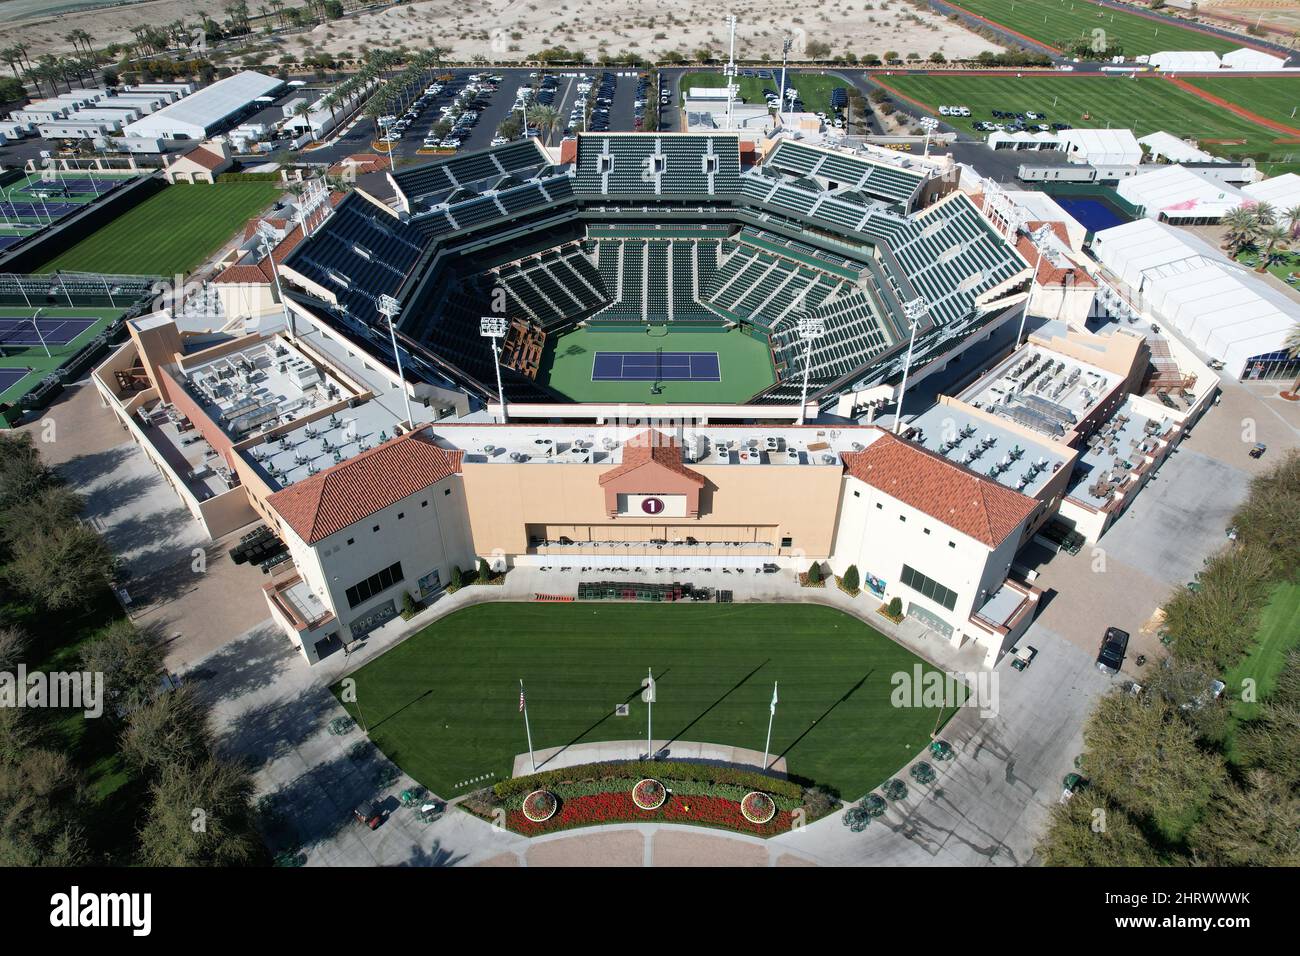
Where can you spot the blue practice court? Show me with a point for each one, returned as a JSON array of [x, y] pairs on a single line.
[[54, 331], [656, 367], [9, 377]]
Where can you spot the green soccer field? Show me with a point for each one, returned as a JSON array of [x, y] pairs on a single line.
[[444, 705], [745, 365], [33, 357], [1060, 22], [170, 232], [1271, 97], [1144, 105]]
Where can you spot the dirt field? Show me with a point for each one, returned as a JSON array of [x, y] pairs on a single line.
[[503, 30]]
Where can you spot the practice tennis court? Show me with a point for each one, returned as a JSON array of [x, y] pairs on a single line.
[[656, 367], [53, 331], [9, 377]]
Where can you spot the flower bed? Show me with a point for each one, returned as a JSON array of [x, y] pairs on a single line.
[[649, 794], [619, 807], [539, 806], [757, 807]]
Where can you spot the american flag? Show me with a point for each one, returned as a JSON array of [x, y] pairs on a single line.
[[521, 698]]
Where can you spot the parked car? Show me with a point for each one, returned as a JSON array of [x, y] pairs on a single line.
[[1111, 657]]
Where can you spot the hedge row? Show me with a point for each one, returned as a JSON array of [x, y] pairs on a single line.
[[248, 178], [682, 773], [681, 788]]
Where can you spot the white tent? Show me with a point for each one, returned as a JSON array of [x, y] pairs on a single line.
[[1185, 61], [1255, 60], [1280, 192], [1168, 147], [1222, 308], [1179, 194], [200, 114], [1101, 147]]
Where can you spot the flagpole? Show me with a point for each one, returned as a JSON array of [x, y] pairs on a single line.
[[771, 716], [649, 716], [523, 701]]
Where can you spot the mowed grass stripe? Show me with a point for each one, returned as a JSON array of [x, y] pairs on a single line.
[[1056, 22], [444, 704], [170, 232], [1272, 97], [1144, 105]]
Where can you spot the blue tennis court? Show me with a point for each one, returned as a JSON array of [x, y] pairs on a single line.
[[38, 210], [54, 331], [656, 367], [9, 377]]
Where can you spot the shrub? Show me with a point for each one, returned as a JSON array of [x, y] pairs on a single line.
[[895, 608], [484, 572], [558, 781], [814, 573], [851, 579]]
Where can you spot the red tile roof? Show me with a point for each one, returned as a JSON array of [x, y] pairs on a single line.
[[977, 507], [648, 446], [259, 270], [353, 490], [206, 158], [1049, 275]]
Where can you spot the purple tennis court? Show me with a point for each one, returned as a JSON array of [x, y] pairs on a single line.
[[9, 377], [38, 210], [52, 331], [656, 367]]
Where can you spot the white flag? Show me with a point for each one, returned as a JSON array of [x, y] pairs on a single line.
[[773, 709]]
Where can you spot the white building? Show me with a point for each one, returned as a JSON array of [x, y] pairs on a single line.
[[1220, 307], [1101, 147], [1166, 147], [1255, 61], [1280, 192], [1179, 194], [199, 115], [1185, 61]]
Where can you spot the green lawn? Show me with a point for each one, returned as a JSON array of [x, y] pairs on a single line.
[[1060, 22], [1144, 105], [444, 704], [1271, 97], [169, 233], [1279, 632], [745, 364]]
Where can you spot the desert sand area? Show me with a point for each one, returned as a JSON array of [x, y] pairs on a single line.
[[505, 30]]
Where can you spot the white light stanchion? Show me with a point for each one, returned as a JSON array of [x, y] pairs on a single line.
[[1038, 237], [266, 234], [494, 327], [913, 310], [929, 124], [811, 328], [389, 308]]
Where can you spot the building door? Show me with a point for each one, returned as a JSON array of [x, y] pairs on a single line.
[[931, 620]]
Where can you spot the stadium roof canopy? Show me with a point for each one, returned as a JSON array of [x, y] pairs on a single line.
[[1248, 59], [1281, 192], [1222, 308], [199, 114], [1179, 194]]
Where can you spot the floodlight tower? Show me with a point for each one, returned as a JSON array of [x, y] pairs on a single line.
[[929, 124], [494, 327], [787, 43], [1039, 238], [811, 328], [389, 308], [913, 310], [729, 71], [265, 235]]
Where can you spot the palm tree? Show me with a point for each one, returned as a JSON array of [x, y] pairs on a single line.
[[1293, 220], [545, 118], [1275, 239], [1239, 229], [303, 112], [1292, 346], [1265, 214]]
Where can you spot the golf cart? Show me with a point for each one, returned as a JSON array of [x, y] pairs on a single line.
[[369, 815], [1258, 450], [1022, 657], [1072, 784]]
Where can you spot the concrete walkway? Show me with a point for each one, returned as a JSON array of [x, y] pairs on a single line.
[[556, 758]]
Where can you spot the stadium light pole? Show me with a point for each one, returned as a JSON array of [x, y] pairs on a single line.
[[1038, 237], [389, 308], [786, 45], [264, 230], [36, 324], [494, 327], [729, 71], [811, 328], [913, 310], [929, 124]]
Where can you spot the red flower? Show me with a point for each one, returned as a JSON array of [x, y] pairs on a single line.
[[618, 807]]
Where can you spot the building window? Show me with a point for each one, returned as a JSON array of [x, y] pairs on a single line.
[[787, 542], [879, 506], [375, 528], [952, 544], [375, 584], [930, 588], [424, 504], [446, 491], [857, 494], [926, 530], [351, 540], [902, 517]]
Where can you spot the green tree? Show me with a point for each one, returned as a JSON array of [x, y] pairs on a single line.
[[851, 579], [170, 730], [1088, 830], [66, 568], [814, 572], [129, 659], [484, 572], [1256, 824], [199, 815]]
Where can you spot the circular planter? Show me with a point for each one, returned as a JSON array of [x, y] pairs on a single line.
[[649, 794], [757, 807], [923, 774], [540, 806]]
